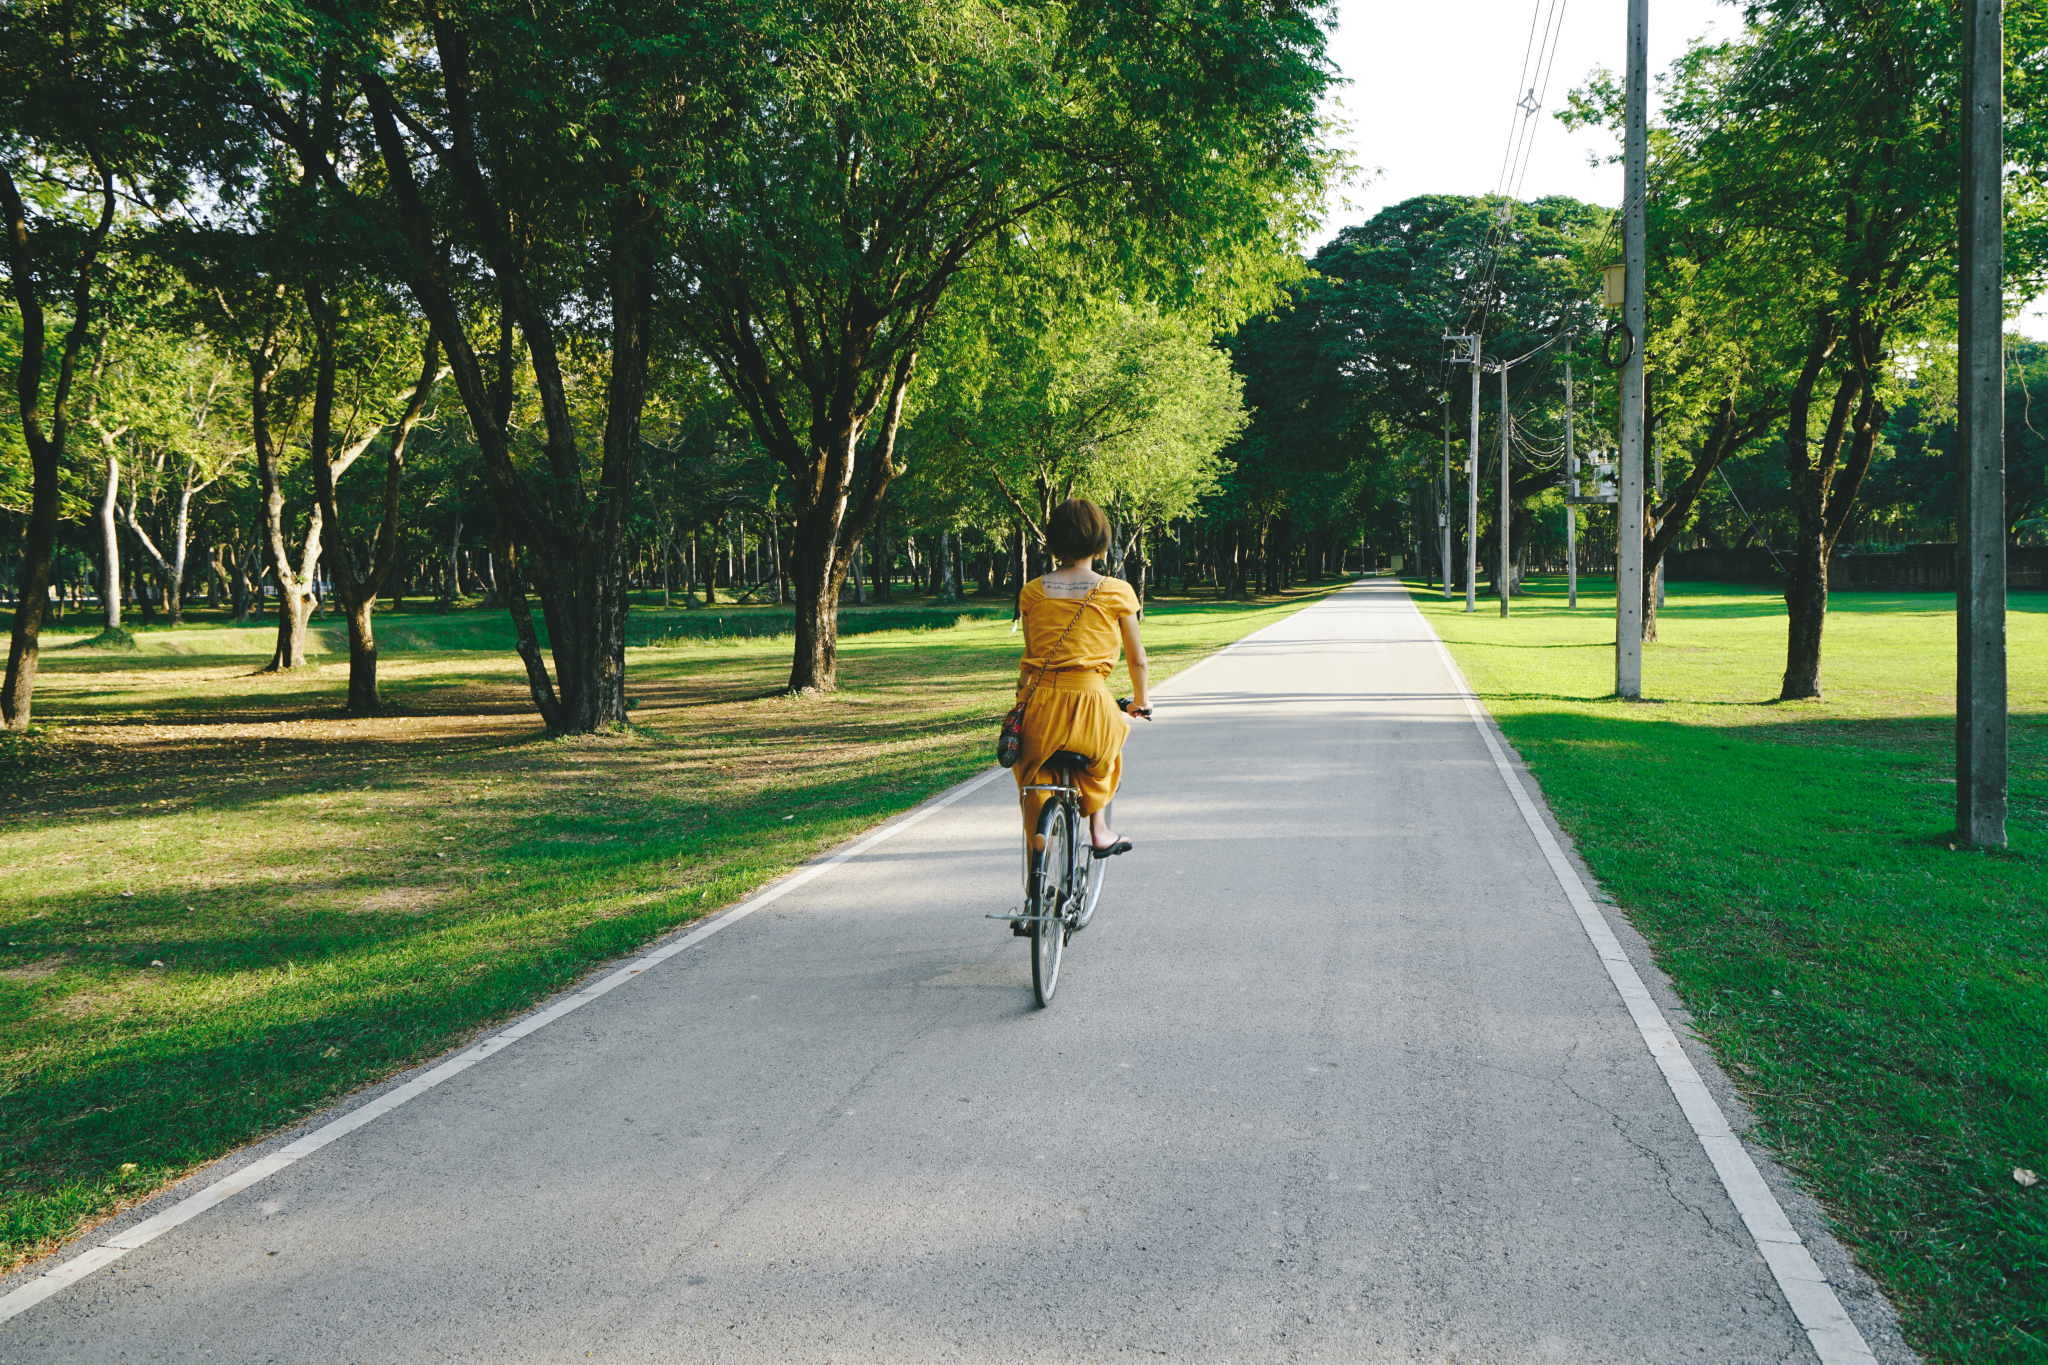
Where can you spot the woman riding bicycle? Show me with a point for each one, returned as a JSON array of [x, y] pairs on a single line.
[[1074, 621]]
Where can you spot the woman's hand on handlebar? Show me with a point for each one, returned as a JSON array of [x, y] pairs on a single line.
[[1124, 703]]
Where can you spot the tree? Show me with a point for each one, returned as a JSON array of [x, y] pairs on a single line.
[[895, 143], [1827, 137], [163, 407], [358, 569], [53, 253], [1718, 369], [517, 164], [1161, 466], [98, 104], [1114, 403], [1911, 489], [1347, 380]]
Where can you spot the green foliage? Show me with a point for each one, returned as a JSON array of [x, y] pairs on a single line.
[[1348, 382], [1512, 272], [1123, 405], [1911, 493]]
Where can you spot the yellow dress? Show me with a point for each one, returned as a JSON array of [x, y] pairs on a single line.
[[1073, 707]]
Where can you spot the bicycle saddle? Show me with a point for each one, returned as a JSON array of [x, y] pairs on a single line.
[[1068, 759]]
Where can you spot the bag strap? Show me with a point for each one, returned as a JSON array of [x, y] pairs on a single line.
[[1032, 690]]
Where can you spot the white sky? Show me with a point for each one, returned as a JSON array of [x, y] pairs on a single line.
[[1433, 89]]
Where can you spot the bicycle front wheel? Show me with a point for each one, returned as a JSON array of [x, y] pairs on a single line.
[[1048, 898]]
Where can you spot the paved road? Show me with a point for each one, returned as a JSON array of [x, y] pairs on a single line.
[[1335, 1075]]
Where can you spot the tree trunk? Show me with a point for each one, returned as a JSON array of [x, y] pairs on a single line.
[[572, 537], [145, 600], [451, 587], [1653, 598], [832, 514], [294, 593], [170, 568], [816, 662], [1666, 520], [1023, 576], [1806, 611], [782, 564], [358, 572], [32, 593], [238, 566], [1824, 489], [885, 559], [947, 590], [45, 444], [362, 658], [110, 545], [294, 609]]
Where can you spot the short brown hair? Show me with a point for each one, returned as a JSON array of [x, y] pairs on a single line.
[[1076, 530]]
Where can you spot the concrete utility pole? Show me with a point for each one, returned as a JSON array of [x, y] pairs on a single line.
[[1571, 512], [1980, 502], [1507, 582], [1443, 504], [1471, 476], [1628, 559]]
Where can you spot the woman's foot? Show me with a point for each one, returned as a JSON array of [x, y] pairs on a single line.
[[1104, 843]]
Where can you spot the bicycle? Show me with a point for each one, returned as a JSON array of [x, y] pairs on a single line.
[[1062, 875]]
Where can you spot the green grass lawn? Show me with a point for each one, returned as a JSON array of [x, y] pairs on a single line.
[[1881, 998], [223, 903]]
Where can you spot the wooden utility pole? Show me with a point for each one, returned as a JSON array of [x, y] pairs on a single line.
[[1980, 501], [1628, 560]]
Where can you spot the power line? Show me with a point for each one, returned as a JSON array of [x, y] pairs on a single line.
[[1539, 61]]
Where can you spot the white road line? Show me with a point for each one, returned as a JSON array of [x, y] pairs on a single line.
[[113, 1248], [1835, 1338], [119, 1245]]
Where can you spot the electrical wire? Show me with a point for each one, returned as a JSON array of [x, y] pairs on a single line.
[[1758, 531], [1539, 62]]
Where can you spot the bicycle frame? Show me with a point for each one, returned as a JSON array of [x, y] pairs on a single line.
[[1073, 888]]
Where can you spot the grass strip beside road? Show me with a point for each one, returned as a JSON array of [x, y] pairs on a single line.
[[223, 904], [1880, 997]]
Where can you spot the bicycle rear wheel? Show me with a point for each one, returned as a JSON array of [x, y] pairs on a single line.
[[1048, 898], [1088, 870]]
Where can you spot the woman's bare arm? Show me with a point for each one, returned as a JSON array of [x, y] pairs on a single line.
[[1134, 655]]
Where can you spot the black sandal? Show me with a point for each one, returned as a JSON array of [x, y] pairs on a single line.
[[1120, 846]]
